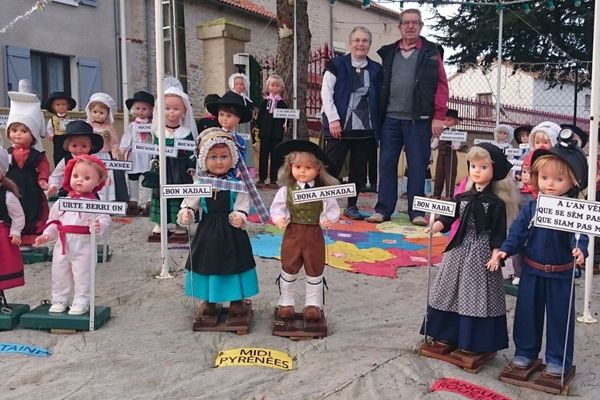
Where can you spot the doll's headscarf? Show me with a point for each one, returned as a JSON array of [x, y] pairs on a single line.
[[4, 161], [244, 95], [25, 109], [105, 99], [549, 128], [69, 170], [209, 138], [504, 128], [188, 121]]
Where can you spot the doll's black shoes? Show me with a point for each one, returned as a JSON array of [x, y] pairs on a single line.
[[521, 362], [353, 213]]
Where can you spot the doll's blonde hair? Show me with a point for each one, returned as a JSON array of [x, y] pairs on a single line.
[[101, 172], [552, 162], [276, 78], [285, 177], [505, 189]]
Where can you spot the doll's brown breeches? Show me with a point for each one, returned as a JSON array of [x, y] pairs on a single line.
[[303, 245]]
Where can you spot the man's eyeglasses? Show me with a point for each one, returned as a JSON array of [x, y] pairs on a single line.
[[406, 23]]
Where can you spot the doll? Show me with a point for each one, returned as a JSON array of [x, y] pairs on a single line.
[[29, 167], [546, 281], [140, 106], [503, 135], [84, 177], [240, 85], [270, 131], [303, 242], [12, 221], [58, 104], [467, 307], [209, 120], [79, 138], [179, 121], [521, 134], [446, 161], [221, 266]]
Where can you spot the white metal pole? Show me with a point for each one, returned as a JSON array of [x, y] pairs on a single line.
[[499, 71], [125, 82], [295, 69], [93, 261], [592, 160], [160, 126]]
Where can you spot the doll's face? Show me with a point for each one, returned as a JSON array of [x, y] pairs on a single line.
[[228, 120], [239, 86], [304, 170], [142, 110], [525, 175], [174, 110], [20, 134], [274, 87], [99, 113], [553, 182], [449, 121], [84, 178], [60, 106], [524, 137], [541, 141], [79, 145], [219, 160], [501, 136], [481, 171]]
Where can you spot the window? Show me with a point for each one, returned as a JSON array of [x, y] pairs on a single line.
[[49, 73], [73, 3], [485, 105], [174, 40]]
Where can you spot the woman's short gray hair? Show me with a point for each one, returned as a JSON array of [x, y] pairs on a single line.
[[363, 30]]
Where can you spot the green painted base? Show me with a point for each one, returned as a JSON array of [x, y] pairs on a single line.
[[40, 318], [36, 255], [9, 321], [509, 288], [99, 252]]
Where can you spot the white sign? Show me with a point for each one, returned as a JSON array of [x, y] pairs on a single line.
[[153, 149], [118, 165], [477, 141], [3, 121], [179, 191], [433, 206], [143, 128], [92, 206], [448, 136], [566, 214], [516, 163], [64, 122], [245, 136], [286, 113], [512, 152], [324, 192], [524, 146], [182, 144]]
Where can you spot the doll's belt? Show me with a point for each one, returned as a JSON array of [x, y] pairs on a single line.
[[64, 229], [548, 267]]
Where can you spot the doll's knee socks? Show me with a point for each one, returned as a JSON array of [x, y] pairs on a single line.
[[314, 291], [287, 288], [134, 189]]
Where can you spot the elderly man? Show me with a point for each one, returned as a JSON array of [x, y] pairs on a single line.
[[414, 95]]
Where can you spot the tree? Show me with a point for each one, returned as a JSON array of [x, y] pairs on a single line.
[[285, 54], [543, 40]]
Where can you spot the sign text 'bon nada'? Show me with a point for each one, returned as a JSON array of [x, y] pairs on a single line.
[[566, 214], [92, 206], [438, 207], [322, 193], [179, 191]]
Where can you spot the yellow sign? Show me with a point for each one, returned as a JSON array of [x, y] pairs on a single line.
[[252, 356]]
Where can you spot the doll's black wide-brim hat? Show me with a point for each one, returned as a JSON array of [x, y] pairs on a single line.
[[80, 128], [231, 99], [501, 165], [286, 148], [140, 96], [568, 151], [583, 136], [519, 129], [59, 95]]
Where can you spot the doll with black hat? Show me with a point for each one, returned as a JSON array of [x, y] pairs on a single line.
[[546, 279], [303, 244], [140, 106], [467, 309], [446, 161], [79, 138], [58, 104]]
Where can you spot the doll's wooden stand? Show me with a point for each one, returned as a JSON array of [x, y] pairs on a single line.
[[9, 320], [535, 378], [223, 322], [39, 318], [509, 288], [450, 354], [298, 329]]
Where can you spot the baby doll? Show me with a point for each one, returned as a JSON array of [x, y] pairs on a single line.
[[58, 104], [12, 221], [179, 121], [84, 177], [231, 110], [140, 106], [503, 135], [79, 138], [29, 167], [546, 278], [303, 242], [466, 307], [221, 266], [100, 112], [270, 131]]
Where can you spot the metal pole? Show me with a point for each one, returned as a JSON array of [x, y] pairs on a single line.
[[93, 261], [160, 126], [575, 95], [295, 73], [125, 82], [499, 71], [431, 222]]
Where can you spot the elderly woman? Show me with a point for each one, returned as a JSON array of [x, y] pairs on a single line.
[[350, 94]]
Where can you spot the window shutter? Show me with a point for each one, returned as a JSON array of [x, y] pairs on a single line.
[[90, 79], [18, 66], [93, 3]]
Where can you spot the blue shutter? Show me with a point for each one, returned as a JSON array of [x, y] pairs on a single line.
[[90, 79], [93, 3], [18, 66]]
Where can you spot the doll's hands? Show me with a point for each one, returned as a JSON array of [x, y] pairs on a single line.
[[191, 171], [236, 220], [52, 190], [327, 223], [42, 239], [186, 216], [95, 225], [437, 227], [282, 223], [15, 240], [43, 184], [578, 255]]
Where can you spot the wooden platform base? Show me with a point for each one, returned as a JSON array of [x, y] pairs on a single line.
[[509, 288], [9, 321], [297, 329], [35, 255], [222, 322], [40, 318], [535, 378], [450, 354]]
